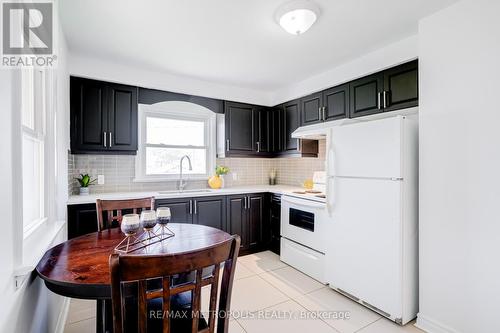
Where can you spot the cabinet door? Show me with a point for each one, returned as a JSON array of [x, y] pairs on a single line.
[[336, 102], [291, 113], [255, 220], [276, 130], [262, 130], [311, 109], [88, 115], [401, 86], [237, 218], [275, 223], [239, 128], [210, 211], [181, 210], [366, 95], [82, 219], [122, 118]]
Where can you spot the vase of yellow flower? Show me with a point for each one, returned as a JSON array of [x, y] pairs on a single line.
[[217, 181]]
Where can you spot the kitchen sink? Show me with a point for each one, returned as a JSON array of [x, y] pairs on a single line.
[[203, 190]]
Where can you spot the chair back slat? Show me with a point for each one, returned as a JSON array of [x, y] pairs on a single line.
[[142, 268], [196, 302], [166, 304], [143, 307], [110, 206], [213, 299]]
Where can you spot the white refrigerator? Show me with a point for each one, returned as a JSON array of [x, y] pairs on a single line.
[[372, 254]]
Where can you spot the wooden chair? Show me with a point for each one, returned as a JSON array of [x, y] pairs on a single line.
[[142, 269], [110, 206]]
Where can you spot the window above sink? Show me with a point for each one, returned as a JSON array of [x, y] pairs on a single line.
[[170, 130]]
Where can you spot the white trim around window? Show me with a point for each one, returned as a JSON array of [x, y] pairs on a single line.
[[175, 110]]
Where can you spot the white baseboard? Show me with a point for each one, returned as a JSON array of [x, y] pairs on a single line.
[[63, 315], [430, 325]]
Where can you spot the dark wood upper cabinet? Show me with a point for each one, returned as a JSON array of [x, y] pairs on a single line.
[[89, 116], [336, 103], [122, 117], [291, 121], [103, 117], [276, 130], [312, 111], [210, 211], [240, 131], [263, 131], [366, 95], [401, 87]]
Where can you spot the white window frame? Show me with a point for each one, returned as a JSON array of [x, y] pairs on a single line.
[[35, 100], [181, 111]]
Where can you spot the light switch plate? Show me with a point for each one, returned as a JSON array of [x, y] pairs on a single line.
[[100, 179]]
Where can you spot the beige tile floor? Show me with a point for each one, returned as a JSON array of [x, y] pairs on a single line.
[[264, 286]]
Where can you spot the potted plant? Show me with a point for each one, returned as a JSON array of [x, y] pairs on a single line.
[[217, 181], [85, 181]]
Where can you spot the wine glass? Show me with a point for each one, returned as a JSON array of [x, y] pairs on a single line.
[[163, 217], [148, 221]]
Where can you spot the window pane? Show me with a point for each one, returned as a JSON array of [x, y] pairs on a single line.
[[32, 180], [167, 160], [175, 132]]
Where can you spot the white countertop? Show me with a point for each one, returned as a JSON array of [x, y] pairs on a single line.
[[83, 199]]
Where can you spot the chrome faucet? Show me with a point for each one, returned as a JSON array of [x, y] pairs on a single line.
[[182, 182]]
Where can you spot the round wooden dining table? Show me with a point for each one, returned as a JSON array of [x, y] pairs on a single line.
[[79, 267]]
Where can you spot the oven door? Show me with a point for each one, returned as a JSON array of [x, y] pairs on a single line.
[[303, 221]]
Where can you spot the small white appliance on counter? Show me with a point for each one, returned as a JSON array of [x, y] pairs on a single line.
[[303, 228], [371, 251]]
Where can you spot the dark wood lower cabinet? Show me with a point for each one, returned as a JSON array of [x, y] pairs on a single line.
[[236, 217], [181, 209], [210, 211], [255, 220], [82, 219], [274, 225], [243, 214]]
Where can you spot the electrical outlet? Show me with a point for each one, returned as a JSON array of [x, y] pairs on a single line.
[[100, 180], [235, 175]]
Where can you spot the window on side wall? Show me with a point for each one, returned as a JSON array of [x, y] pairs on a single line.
[[167, 132], [33, 149]]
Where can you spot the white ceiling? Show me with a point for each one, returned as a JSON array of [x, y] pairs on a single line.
[[235, 42]]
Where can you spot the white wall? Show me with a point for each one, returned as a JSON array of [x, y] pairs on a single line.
[[372, 62], [114, 72], [385, 57], [32, 308], [459, 57]]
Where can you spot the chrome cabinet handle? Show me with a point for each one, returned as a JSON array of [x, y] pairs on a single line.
[[190, 207], [105, 139], [110, 140], [249, 203], [319, 113], [195, 209], [324, 117], [378, 100], [227, 145], [244, 202], [298, 145], [385, 99], [258, 146]]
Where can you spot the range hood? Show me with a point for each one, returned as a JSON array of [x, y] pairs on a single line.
[[316, 131]]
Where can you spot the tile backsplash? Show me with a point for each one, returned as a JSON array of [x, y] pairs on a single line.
[[119, 172]]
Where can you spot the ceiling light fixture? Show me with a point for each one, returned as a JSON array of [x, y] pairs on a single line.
[[296, 17]]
